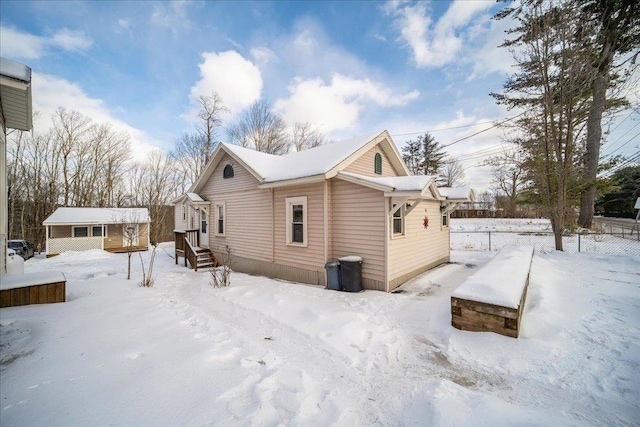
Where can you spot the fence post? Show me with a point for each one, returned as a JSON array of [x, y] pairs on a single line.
[[579, 242], [489, 241]]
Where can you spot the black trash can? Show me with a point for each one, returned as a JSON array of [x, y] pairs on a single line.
[[333, 276], [351, 273]]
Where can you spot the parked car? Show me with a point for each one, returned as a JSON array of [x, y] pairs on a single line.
[[22, 248]]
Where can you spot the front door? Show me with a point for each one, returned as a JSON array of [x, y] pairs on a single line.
[[204, 229]]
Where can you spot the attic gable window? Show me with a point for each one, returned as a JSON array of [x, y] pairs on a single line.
[[227, 172], [377, 164]]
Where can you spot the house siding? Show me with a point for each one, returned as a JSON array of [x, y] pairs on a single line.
[[248, 213], [419, 249], [59, 231], [312, 256], [358, 228], [364, 165], [179, 223]]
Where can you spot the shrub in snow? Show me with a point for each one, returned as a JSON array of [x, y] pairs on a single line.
[[147, 273], [221, 275]]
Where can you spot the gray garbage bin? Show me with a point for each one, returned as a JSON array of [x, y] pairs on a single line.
[[351, 273], [333, 276]]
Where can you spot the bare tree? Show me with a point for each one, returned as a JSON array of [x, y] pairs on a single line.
[[261, 129], [508, 177], [304, 137], [211, 108], [451, 173]]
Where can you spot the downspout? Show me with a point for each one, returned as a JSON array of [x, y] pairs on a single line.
[[104, 235], [387, 208], [46, 241], [273, 227], [326, 227]]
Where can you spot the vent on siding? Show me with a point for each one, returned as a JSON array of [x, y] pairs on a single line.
[[227, 172], [377, 164]]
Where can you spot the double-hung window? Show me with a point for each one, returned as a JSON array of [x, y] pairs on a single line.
[[398, 220], [220, 214], [81, 231], [296, 221], [97, 231], [445, 220]]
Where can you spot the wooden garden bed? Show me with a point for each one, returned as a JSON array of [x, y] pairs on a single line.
[[493, 299], [33, 288]]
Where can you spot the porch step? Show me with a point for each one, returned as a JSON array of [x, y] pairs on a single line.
[[204, 258]]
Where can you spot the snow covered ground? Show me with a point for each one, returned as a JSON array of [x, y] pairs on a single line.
[[267, 352]]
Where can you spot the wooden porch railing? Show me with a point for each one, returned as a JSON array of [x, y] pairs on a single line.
[[185, 241]]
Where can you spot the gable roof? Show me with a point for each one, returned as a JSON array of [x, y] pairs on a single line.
[[71, 216], [317, 163]]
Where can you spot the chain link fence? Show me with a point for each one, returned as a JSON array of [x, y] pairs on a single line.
[[617, 243]]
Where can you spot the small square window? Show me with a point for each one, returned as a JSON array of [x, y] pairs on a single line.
[[80, 231], [97, 231]]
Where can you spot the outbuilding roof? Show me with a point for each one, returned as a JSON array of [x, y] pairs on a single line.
[[73, 216]]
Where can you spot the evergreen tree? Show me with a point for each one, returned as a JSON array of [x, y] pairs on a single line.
[[412, 156], [432, 155]]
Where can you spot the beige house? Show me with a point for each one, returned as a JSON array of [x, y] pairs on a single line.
[[286, 216], [110, 229]]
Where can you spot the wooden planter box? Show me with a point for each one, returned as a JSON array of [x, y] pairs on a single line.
[[33, 288], [482, 317], [492, 299]]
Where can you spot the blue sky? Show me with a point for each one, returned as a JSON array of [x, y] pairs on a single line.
[[347, 67]]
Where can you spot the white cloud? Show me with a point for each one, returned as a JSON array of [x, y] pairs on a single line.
[[490, 58], [16, 44], [72, 41], [123, 23], [337, 105], [435, 44], [172, 15], [21, 45], [262, 55], [51, 92], [237, 80]]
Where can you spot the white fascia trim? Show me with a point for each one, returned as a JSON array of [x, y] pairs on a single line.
[[296, 181]]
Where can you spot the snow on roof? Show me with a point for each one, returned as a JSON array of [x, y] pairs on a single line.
[[97, 216], [195, 197], [398, 183], [502, 280], [15, 70], [455, 192], [315, 161]]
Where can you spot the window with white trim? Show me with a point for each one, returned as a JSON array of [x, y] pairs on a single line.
[[184, 213], [98, 231], [81, 231], [398, 220], [220, 215], [203, 221], [296, 221], [445, 219]]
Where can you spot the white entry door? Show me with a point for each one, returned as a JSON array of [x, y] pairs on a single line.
[[204, 229]]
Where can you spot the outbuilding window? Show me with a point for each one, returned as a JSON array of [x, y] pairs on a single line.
[[81, 231], [97, 231], [377, 164], [220, 213], [445, 220], [227, 172], [296, 221], [398, 220]]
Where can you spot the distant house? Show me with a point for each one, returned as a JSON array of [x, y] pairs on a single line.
[[111, 229], [474, 210], [286, 216]]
